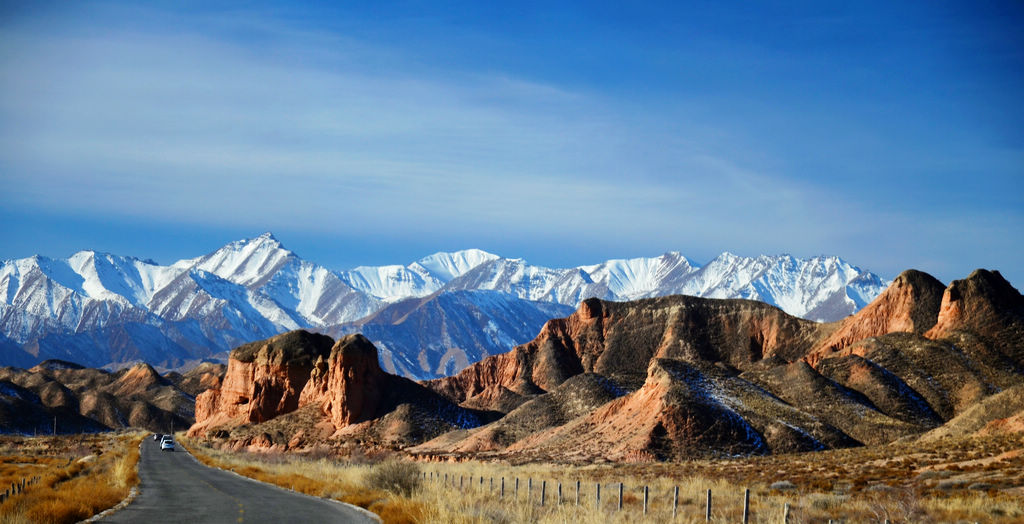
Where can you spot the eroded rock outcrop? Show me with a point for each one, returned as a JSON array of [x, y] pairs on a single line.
[[263, 380], [910, 304], [621, 338], [662, 378], [986, 304], [898, 368], [342, 383]]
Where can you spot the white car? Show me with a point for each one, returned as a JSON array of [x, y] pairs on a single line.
[[167, 445]]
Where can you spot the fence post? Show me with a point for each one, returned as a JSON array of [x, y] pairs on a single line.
[[675, 501], [645, 500], [529, 489], [502, 487], [577, 493], [460, 482], [481, 481], [598, 495], [559, 493], [746, 506], [490, 488], [543, 491], [620, 496], [707, 514], [517, 488], [785, 514]]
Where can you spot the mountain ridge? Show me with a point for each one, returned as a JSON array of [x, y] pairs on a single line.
[[672, 378], [106, 310]]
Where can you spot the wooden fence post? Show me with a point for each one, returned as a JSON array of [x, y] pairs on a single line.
[[645, 500], [746, 506], [502, 487], [620, 496], [529, 488], [785, 514], [707, 514], [517, 488], [543, 491], [577, 493], [675, 501], [559, 493], [598, 499]]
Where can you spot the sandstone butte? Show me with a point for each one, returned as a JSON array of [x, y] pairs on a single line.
[[278, 375], [661, 378]]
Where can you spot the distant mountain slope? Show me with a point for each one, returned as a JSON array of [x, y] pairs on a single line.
[[67, 398], [445, 332], [100, 309]]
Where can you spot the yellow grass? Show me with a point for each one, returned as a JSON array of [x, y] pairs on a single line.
[[78, 475], [319, 477], [872, 485]]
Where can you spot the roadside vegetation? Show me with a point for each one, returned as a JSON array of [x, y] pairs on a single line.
[[371, 483], [67, 478], [964, 480]]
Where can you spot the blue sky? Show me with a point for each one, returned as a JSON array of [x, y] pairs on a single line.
[[566, 134]]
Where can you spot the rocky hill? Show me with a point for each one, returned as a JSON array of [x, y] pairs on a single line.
[[653, 379], [67, 398], [328, 388]]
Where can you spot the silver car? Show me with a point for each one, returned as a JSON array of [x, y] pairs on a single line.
[[167, 444]]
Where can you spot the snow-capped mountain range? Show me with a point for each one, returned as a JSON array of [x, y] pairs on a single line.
[[100, 309]]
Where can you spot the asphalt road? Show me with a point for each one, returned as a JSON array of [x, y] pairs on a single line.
[[175, 487]]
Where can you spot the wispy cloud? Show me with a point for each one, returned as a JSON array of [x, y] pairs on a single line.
[[322, 132]]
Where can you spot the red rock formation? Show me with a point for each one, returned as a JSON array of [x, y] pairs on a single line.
[[343, 381], [263, 380], [355, 382], [610, 337], [910, 304], [984, 302]]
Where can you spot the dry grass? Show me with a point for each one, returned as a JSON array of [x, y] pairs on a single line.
[[320, 477], [899, 483], [79, 475]]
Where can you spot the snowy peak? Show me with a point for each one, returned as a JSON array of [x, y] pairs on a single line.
[[391, 283], [641, 277], [419, 279], [819, 288], [100, 308], [247, 262], [446, 266]]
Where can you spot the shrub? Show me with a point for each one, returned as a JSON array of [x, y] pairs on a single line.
[[398, 477]]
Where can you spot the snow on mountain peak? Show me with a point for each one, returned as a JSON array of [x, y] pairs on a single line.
[[447, 266], [253, 288], [246, 261]]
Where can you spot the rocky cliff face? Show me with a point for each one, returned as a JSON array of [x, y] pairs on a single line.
[[263, 379], [621, 338], [755, 378], [910, 304], [984, 303], [660, 378], [302, 385]]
